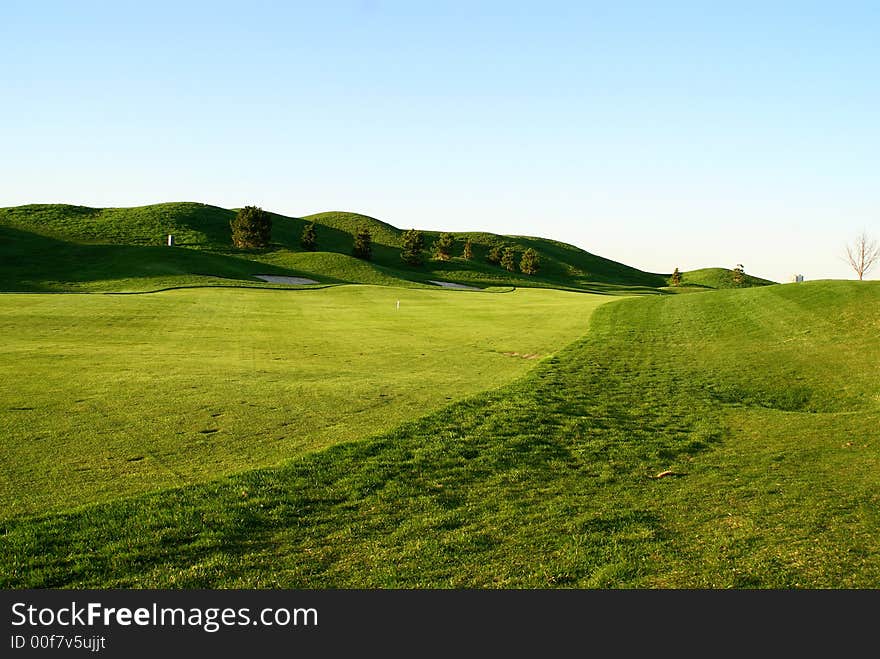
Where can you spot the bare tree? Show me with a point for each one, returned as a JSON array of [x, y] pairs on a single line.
[[862, 254]]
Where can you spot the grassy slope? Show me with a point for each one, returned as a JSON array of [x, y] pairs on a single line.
[[718, 278], [103, 396], [765, 402], [193, 224], [83, 236], [38, 263]]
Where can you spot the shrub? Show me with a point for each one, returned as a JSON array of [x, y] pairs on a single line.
[[363, 244], [309, 240], [508, 259], [444, 246], [413, 244], [529, 262], [251, 228]]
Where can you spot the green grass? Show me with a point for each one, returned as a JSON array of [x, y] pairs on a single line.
[[337, 229], [73, 248], [764, 402], [37, 263], [331, 267], [194, 225], [719, 278], [108, 395]]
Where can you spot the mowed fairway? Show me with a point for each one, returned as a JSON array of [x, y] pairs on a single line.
[[103, 396], [760, 406]]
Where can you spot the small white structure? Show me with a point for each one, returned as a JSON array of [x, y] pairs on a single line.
[[170, 240], [798, 279]]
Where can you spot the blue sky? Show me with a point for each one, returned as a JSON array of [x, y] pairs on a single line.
[[660, 134]]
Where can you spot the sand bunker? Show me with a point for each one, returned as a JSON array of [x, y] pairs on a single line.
[[449, 284], [277, 279]]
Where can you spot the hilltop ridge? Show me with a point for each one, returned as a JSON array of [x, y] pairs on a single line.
[[67, 247]]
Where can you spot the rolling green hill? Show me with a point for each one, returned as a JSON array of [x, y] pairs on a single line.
[[718, 278], [194, 225], [729, 439], [61, 247], [31, 261]]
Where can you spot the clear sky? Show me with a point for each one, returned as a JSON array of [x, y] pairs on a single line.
[[660, 134]]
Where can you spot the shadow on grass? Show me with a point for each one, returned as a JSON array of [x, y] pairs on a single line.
[[462, 496], [31, 262]]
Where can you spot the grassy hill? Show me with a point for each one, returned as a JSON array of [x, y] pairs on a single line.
[[719, 278], [42, 245], [31, 261], [194, 225], [712, 441]]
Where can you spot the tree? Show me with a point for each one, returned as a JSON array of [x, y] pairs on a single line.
[[862, 254], [309, 239], [468, 252], [739, 275], [363, 244], [529, 262], [251, 227], [494, 255], [675, 280], [444, 246], [413, 244], [508, 259]]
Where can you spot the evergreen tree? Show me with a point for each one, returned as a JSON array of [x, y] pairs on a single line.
[[251, 228], [468, 252], [444, 246], [676, 278], [508, 259], [363, 244], [494, 255], [309, 239], [529, 262], [413, 244]]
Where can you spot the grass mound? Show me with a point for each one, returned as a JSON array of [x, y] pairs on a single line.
[[719, 278], [201, 228], [192, 224], [38, 263]]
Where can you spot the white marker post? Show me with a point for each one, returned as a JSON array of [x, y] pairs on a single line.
[[398, 304]]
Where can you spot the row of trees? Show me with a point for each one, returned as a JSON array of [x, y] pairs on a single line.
[[413, 252], [506, 257], [252, 229], [414, 247]]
